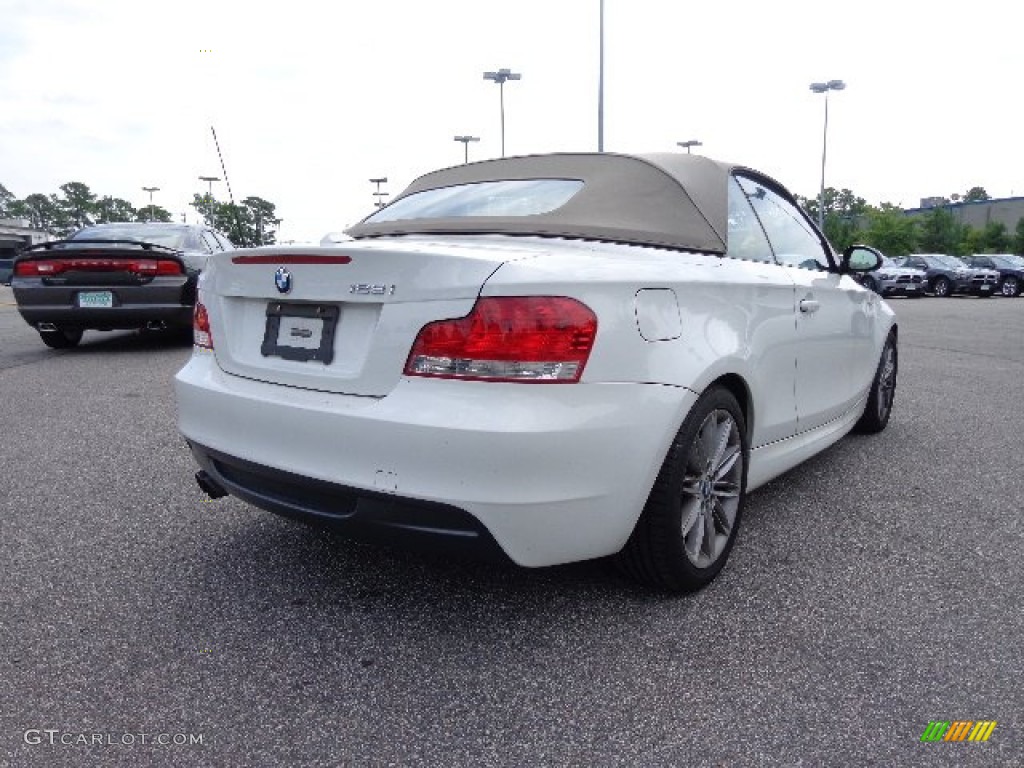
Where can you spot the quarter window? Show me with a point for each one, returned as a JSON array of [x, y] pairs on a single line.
[[794, 241], [745, 238]]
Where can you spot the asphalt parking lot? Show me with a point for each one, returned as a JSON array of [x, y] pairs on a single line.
[[874, 589]]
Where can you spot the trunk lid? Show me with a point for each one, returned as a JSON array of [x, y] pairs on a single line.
[[341, 319]]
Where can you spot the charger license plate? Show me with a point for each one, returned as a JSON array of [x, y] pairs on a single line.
[[302, 332], [90, 299]]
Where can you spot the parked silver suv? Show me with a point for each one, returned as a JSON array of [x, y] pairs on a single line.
[[891, 279], [947, 275]]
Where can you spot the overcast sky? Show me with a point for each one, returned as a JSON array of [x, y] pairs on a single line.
[[310, 98]]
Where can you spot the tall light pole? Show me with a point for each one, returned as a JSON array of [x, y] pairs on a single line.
[[689, 144], [465, 142], [151, 190], [209, 196], [501, 77], [379, 202], [831, 85], [600, 82]]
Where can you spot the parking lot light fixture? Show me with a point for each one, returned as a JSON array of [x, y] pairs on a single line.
[[465, 143], [831, 85], [501, 77], [151, 190], [209, 197], [689, 144], [378, 194]]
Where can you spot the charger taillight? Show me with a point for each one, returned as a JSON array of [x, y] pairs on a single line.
[[530, 339], [52, 267]]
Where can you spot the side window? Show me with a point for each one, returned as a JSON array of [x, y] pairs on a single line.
[[223, 241], [794, 241], [192, 242], [745, 238], [209, 243]]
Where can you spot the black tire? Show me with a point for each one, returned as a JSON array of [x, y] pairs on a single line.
[[62, 338], [941, 286], [1010, 287], [878, 408], [656, 554]]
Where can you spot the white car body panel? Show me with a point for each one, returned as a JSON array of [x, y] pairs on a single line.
[[555, 472]]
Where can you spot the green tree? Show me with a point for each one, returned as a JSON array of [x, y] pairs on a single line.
[[252, 223], [110, 209], [939, 232], [41, 211], [209, 209], [971, 241], [78, 205], [995, 238], [6, 198], [263, 215], [152, 213], [1018, 240], [976, 195], [844, 215], [891, 231]]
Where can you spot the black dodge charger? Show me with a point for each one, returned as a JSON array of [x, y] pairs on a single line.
[[113, 276]]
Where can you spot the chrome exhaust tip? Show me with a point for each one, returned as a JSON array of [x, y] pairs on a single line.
[[156, 325], [46, 327]]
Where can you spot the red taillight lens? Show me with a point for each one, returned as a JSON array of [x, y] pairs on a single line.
[[51, 267], [536, 339], [33, 268], [201, 336]]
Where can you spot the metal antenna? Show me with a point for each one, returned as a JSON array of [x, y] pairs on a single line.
[[222, 167]]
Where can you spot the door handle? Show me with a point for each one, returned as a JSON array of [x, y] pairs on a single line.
[[809, 305]]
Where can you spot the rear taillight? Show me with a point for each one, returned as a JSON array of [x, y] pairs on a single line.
[[51, 267], [201, 336], [534, 339]]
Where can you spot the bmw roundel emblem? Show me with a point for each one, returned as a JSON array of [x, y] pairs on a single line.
[[283, 280]]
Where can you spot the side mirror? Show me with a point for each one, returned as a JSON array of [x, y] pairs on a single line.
[[861, 258]]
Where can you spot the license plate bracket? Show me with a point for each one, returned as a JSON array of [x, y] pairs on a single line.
[[95, 299], [310, 326]]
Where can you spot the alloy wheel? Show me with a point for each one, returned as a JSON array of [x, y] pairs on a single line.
[[711, 488], [1010, 287], [886, 382]]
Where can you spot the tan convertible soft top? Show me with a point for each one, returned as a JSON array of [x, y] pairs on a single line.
[[668, 200]]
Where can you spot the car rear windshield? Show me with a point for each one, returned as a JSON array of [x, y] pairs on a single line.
[[513, 197], [172, 237]]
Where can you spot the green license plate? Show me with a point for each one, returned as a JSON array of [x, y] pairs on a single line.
[[95, 299]]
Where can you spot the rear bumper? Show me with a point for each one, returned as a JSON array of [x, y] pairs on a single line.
[[553, 473], [166, 299], [360, 514]]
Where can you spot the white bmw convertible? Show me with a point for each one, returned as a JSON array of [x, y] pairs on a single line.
[[541, 359]]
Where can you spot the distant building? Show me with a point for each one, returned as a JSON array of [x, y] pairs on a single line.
[[15, 234], [1007, 210]]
